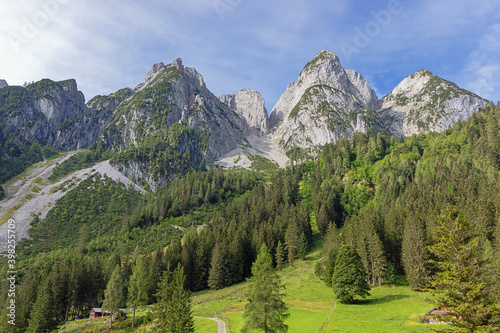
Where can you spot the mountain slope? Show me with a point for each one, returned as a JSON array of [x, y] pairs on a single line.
[[423, 102]]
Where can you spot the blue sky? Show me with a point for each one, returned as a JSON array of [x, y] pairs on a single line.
[[236, 44]]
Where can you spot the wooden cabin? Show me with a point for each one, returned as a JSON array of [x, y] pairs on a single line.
[[96, 313], [432, 316]]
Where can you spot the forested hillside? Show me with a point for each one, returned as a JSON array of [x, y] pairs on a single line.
[[378, 193]]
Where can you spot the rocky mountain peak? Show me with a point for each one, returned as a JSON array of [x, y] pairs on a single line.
[[425, 102], [326, 103], [250, 105], [3, 83]]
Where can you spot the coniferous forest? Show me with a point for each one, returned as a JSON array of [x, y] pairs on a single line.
[[386, 202]]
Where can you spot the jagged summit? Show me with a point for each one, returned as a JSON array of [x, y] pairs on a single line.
[[3, 83], [425, 102], [326, 103]]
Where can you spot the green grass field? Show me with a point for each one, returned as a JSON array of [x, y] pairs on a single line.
[[310, 302]]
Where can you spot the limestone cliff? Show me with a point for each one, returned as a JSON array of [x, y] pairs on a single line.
[[250, 105]]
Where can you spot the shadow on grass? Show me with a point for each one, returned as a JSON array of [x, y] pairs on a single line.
[[379, 300]]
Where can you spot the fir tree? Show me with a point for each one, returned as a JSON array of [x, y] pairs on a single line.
[[138, 286], [174, 303], [114, 295], [349, 277], [265, 310], [461, 281]]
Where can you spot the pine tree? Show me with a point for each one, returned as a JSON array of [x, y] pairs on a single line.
[[349, 277], [415, 255], [114, 295], [138, 286], [280, 256], [174, 303], [464, 288], [265, 310]]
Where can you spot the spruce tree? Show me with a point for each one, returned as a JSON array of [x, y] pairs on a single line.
[[114, 295], [415, 256], [174, 303], [280, 256], [462, 283], [265, 310], [138, 286], [349, 277], [302, 250], [218, 269]]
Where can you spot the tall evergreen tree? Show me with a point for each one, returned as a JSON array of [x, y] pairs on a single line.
[[349, 277], [42, 315], [138, 286], [114, 295], [302, 250], [464, 289], [280, 256], [218, 270], [265, 310], [415, 255], [174, 303]]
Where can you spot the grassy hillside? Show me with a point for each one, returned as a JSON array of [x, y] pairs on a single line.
[[311, 302]]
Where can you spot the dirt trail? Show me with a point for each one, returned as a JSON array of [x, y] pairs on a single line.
[[222, 325], [31, 194]]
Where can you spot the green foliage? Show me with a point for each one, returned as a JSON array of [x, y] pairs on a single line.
[[265, 310], [260, 163], [81, 160], [174, 303], [2, 193], [138, 286], [461, 280], [280, 256], [114, 295], [349, 277], [391, 274]]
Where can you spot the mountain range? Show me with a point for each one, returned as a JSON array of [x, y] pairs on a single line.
[[171, 120]]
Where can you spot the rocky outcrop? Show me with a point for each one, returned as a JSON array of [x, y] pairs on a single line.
[[326, 103], [205, 128], [424, 102], [3, 83], [46, 111], [250, 105]]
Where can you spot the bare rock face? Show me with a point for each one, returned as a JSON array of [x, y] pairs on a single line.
[[325, 104], [173, 104], [3, 84], [250, 105], [423, 102], [47, 111]]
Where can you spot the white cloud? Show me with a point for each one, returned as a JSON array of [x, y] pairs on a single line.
[[482, 74]]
